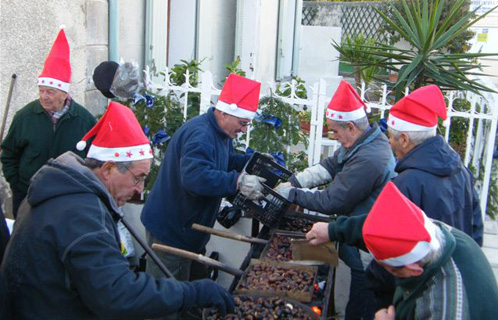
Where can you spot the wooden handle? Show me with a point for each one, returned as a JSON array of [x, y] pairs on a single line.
[[197, 257], [229, 235]]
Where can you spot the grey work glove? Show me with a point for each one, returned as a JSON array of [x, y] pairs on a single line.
[[250, 186], [210, 294], [284, 189], [313, 176]]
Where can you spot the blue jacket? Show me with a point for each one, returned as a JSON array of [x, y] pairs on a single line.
[[433, 177], [198, 170], [64, 260], [359, 174]]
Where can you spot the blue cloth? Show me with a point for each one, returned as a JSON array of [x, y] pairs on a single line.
[[73, 267], [198, 170], [433, 177], [269, 119]]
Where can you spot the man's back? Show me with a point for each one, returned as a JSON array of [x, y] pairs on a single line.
[[432, 176]]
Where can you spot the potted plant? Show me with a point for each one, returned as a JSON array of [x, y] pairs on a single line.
[[304, 118]]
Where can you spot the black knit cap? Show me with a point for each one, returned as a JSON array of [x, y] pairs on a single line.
[[103, 76]]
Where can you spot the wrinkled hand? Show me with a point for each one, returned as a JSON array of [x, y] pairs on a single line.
[[210, 294], [385, 314], [250, 186], [284, 189], [319, 234]]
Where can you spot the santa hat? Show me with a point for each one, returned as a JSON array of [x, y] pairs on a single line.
[[103, 75], [239, 97], [418, 111], [346, 104], [396, 231], [118, 137], [57, 68]]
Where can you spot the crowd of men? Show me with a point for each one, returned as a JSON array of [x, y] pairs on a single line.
[[416, 220]]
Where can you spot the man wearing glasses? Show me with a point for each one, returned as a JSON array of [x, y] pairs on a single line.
[[64, 259], [198, 170]]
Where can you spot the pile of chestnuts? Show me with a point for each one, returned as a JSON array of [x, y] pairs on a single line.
[[251, 308], [264, 277]]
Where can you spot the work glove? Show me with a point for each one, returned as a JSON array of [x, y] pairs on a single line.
[[250, 186], [284, 189], [209, 294], [313, 176]]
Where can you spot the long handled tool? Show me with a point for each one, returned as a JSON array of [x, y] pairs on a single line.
[[229, 235], [7, 106], [147, 249], [198, 257]]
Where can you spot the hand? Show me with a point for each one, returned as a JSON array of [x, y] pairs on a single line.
[[210, 294], [250, 186], [319, 234], [284, 189], [385, 314]]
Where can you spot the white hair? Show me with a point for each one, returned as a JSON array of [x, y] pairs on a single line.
[[416, 137], [362, 123]]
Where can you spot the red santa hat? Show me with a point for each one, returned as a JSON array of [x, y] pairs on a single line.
[[118, 137], [418, 111], [396, 231], [239, 97], [57, 68], [346, 104]]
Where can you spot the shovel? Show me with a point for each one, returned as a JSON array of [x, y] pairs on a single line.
[[229, 235], [303, 250], [198, 257]]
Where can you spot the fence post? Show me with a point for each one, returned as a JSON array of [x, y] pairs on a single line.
[[490, 144], [317, 111], [207, 82]]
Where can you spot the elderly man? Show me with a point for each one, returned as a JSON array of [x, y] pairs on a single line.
[[428, 166], [441, 273], [198, 170], [44, 128], [64, 260], [356, 174]]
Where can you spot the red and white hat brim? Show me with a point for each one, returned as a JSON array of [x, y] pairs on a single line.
[[419, 251], [54, 83], [234, 110], [134, 153], [345, 116], [405, 126]]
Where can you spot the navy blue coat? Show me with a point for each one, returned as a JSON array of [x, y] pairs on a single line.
[[64, 260], [433, 177], [198, 170]]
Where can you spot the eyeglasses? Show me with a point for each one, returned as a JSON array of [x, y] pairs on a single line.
[[138, 180], [245, 124]]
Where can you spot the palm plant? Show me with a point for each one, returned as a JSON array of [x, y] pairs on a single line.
[[427, 61]]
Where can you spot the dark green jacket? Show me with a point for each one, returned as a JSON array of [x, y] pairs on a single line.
[[477, 277], [32, 140]]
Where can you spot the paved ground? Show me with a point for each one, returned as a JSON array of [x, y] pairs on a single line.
[[490, 246]]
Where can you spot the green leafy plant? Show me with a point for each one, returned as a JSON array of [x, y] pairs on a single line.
[[427, 61], [234, 67], [357, 51]]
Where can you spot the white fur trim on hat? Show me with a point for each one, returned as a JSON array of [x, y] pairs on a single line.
[[134, 153], [54, 83], [404, 126], [346, 116], [420, 250], [234, 110]]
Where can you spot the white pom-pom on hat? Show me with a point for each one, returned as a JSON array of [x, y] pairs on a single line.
[[233, 106], [81, 145]]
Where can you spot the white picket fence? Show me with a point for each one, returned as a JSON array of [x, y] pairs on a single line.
[[483, 116]]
